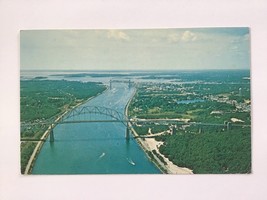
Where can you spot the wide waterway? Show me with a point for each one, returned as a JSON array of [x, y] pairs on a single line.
[[95, 148]]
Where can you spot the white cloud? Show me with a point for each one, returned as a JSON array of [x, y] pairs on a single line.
[[188, 36], [118, 35]]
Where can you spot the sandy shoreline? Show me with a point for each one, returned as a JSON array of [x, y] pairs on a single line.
[[150, 144], [47, 132]]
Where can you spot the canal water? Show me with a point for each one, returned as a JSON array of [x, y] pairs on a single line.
[[95, 148]]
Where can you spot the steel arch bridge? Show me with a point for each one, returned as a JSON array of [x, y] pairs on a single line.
[[98, 110], [115, 115]]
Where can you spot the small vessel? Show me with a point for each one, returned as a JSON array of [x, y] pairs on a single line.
[[102, 155], [130, 161]]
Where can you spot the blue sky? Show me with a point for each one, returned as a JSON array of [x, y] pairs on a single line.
[[144, 49]]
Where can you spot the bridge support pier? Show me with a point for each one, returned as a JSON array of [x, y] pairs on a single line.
[[52, 139], [200, 129], [229, 126], [127, 133]]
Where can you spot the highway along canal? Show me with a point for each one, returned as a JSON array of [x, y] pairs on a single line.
[[95, 147]]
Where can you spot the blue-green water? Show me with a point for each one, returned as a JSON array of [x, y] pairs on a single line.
[[95, 148]]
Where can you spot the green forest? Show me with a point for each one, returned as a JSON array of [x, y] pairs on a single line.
[[211, 151], [43, 99]]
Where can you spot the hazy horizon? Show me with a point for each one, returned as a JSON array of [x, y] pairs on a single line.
[[131, 70], [136, 50]]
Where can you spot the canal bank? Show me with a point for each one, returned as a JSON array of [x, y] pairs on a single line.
[[139, 140]]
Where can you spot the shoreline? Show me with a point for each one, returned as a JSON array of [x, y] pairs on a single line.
[[45, 135], [150, 144]]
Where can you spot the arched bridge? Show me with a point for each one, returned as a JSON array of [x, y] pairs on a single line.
[[113, 114], [75, 116]]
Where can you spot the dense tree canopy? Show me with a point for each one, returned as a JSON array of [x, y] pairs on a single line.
[[42, 99], [210, 152]]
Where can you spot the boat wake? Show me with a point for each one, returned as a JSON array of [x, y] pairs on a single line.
[[130, 161], [102, 155]]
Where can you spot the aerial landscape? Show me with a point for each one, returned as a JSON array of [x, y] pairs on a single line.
[[155, 101]]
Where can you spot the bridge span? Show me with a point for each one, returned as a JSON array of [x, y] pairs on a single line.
[[130, 83]]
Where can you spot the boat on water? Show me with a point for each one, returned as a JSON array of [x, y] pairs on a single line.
[[130, 161]]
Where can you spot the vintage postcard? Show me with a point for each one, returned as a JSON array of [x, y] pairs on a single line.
[[144, 101]]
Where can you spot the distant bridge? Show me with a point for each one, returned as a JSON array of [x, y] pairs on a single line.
[[130, 83], [116, 117]]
